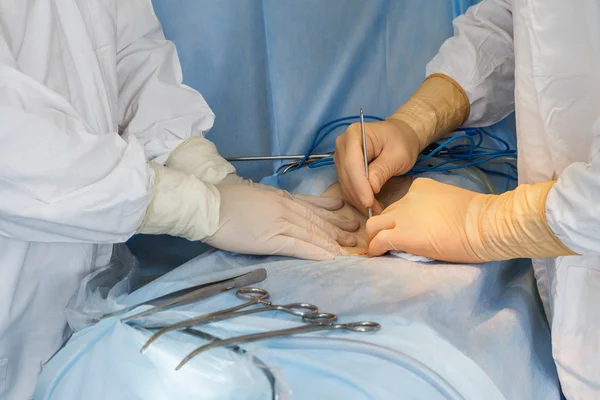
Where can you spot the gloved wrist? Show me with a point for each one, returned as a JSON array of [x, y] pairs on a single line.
[[235, 179], [439, 106], [181, 206], [513, 225], [199, 157]]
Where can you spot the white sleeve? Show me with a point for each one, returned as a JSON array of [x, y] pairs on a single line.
[[572, 210], [154, 105], [480, 58], [58, 181]]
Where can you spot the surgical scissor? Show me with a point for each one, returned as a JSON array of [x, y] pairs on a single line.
[[317, 322], [196, 293], [256, 296]]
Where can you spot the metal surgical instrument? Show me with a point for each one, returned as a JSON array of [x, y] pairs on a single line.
[[238, 350], [317, 322], [297, 160], [283, 157], [256, 296], [204, 292], [364, 146]]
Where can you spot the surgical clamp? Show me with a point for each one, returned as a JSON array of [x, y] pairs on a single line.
[[317, 322], [256, 296], [204, 292]]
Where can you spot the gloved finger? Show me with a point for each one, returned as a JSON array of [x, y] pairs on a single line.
[[377, 208], [382, 169], [328, 203], [383, 242], [343, 177], [377, 224], [304, 217], [355, 203], [340, 221], [349, 198], [307, 232], [353, 167], [293, 247], [392, 207], [348, 194], [269, 188]]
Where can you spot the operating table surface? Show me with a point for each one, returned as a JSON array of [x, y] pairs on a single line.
[[478, 329]]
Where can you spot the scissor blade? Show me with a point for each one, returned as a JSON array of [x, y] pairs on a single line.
[[183, 292], [255, 276], [168, 296]]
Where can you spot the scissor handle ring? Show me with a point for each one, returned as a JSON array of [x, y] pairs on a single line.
[[252, 293], [363, 326], [301, 309], [320, 318]]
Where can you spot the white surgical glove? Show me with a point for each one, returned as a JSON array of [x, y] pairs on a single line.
[[199, 157], [246, 219], [256, 221], [314, 202]]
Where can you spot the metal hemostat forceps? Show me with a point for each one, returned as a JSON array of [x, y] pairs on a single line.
[[364, 146], [196, 293], [256, 296], [316, 322]]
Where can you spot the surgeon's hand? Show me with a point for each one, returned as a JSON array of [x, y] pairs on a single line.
[[312, 201], [448, 223], [437, 107], [258, 221], [430, 220], [392, 149]]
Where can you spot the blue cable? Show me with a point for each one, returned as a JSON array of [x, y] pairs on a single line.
[[443, 145], [438, 167], [318, 138], [471, 154], [490, 172], [499, 139]]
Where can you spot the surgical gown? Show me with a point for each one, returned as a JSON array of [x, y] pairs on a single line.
[[541, 57], [89, 92]]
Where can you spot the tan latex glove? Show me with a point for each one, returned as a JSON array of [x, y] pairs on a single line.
[[392, 149], [246, 219], [439, 106], [447, 223]]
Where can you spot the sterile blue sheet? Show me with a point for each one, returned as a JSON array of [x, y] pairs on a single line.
[[449, 331], [275, 70], [476, 332]]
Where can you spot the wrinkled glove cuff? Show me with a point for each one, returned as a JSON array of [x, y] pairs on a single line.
[[199, 157], [439, 106], [181, 206], [513, 225]]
